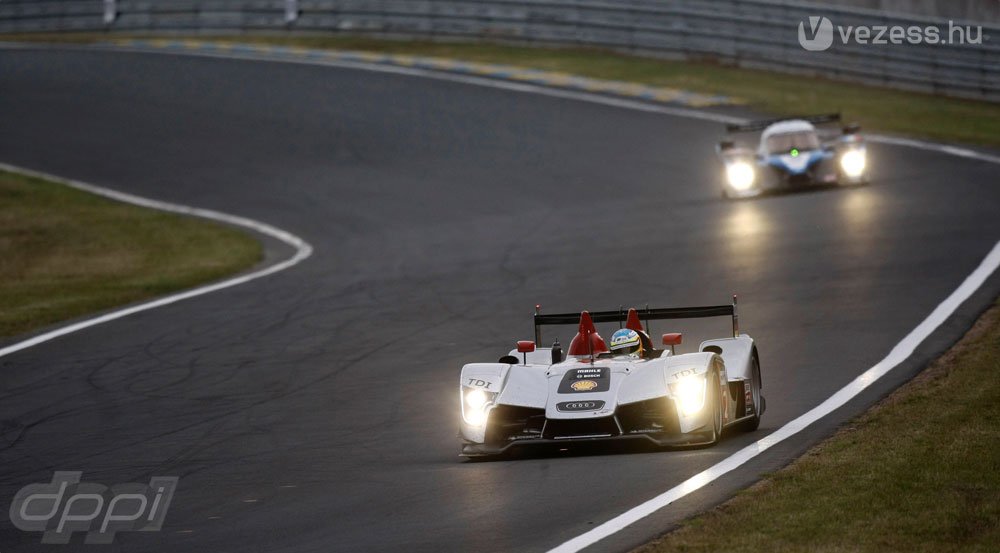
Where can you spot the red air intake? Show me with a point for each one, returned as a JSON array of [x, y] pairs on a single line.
[[587, 341]]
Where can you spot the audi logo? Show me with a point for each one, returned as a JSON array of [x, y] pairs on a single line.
[[579, 405]]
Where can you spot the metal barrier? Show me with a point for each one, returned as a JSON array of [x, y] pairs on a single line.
[[762, 34]]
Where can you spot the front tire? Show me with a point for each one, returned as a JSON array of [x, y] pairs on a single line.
[[751, 424], [716, 405]]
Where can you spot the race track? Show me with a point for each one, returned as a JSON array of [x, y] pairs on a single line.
[[316, 409]]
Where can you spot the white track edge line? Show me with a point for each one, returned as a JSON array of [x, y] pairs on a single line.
[[739, 458], [302, 251], [934, 147], [899, 353]]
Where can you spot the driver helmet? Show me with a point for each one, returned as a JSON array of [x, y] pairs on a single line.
[[626, 342]]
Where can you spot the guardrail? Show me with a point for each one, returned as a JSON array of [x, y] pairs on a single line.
[[761, 34]]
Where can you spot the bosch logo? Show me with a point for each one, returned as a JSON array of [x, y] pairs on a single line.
[[579, 405]]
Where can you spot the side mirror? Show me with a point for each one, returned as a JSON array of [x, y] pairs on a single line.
[[726, 145], [672, 339], [853, 128], [524, 347]]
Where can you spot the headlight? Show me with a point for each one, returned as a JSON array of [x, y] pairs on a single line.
[[740, 175], [689, 392], [853, 163], [475, 403], [475, 399]]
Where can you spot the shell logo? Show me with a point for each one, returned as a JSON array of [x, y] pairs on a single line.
[[583, 385]]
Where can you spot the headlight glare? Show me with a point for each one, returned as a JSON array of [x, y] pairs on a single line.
[[475, 417], [853, 162], [475, 399], [475, 405], [740, 175], [689, 392]]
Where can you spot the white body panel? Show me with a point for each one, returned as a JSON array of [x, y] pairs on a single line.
[[736, 352]]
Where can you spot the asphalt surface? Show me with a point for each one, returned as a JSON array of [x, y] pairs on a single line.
[[315, 410]]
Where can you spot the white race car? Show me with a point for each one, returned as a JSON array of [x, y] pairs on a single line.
[[536, 396], [792, 153]]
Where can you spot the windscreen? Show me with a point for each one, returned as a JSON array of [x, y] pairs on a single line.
[[786, 142]]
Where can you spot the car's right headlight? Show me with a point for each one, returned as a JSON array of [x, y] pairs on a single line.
[[740, 175], [689, 392], [475, 404], [853, 162]]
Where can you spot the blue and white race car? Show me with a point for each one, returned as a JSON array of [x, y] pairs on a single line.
[[792, 154]]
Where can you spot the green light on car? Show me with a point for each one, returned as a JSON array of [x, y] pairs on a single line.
[[795, 152]]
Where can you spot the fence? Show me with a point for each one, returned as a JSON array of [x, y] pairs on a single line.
[[752, 33]]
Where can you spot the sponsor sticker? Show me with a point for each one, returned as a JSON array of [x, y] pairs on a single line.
[[585, 379], [479, 383], [684, 372]]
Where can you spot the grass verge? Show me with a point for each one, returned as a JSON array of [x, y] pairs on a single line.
[[918, 472], [877, 109], [65, 253]]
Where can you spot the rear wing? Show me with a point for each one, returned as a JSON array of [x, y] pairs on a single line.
[[754, 126], [647, 314]]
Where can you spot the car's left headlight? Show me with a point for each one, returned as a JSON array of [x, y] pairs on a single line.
[[853, 162], [475, 403], [689, 392], [740, 175]]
